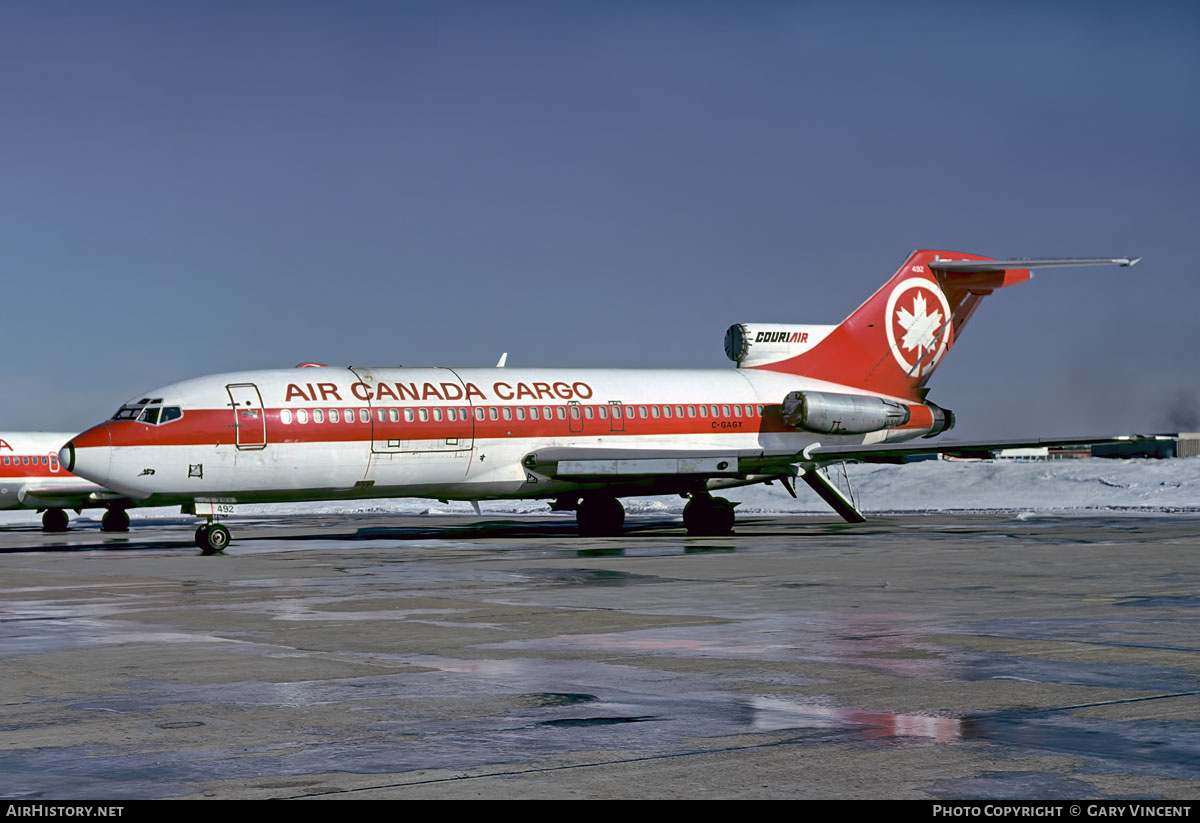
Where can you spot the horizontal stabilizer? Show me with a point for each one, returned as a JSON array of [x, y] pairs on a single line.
[[1031, 263]]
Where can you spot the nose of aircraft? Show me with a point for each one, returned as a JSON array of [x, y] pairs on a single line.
[[89, 454]]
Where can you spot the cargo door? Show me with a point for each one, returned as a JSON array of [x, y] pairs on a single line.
[[418, 411], [249, 419]]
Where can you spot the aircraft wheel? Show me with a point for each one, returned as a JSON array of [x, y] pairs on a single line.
[[114, 520], [708, 516], [54, 520], [215, 537], [202, 535], [600, 516]]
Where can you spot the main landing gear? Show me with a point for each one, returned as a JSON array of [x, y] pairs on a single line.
[[708, 516], [212, 538], [601, 515], [115, 520], [54, 520]]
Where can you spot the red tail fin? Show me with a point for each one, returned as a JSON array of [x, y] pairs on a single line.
[[892, 343]]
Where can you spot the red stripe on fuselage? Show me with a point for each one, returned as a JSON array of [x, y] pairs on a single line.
[[215, 426]]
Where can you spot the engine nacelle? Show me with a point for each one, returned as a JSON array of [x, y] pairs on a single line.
[[829, 413], [943, 419], [756, 344]]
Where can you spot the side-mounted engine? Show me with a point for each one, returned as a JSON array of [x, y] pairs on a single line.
[[832, 413]]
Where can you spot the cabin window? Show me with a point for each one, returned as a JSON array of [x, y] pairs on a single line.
[[533, 412], [318, 416], [364, 415], [654, 411], [493, 413], [170, 413], [479, 413], [691, 411], [423, 415], [616, 410], [507, 412], [602, 411], [666, 411], [725, 411], [704, 411], [408, 415], [349, 415], [520, 412], [737, 411], [6, 461], [334, 417], [285, 416], [549, 410], [24, 461], [643, 411], [574, 412], [381, 415], [562, 413], [301, 416], [588, 413], [760, 411]]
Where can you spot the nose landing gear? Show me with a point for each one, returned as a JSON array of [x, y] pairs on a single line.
[[212, 538]]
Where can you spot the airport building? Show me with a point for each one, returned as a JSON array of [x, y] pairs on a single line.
[[1158, 446]]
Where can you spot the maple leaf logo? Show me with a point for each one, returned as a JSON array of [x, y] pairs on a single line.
[[920, 328]]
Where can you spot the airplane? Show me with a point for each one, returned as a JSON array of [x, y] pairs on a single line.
[[801, 397], [31, 477]]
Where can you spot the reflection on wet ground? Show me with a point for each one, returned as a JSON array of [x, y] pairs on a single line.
[[1035, 660]]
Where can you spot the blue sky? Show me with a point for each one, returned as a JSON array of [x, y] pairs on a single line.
[[206, 187]]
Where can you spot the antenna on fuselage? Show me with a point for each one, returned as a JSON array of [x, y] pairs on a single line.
[[500, 362]]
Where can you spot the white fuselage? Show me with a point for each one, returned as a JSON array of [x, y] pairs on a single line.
[[331, 432]]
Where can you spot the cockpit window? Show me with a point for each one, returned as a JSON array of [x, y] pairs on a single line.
[[149, 412]]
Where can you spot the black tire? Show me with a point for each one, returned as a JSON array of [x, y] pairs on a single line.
[[706, 516], [114, 520], [202, 536], [600, 516], [54, 520], [216, 538]]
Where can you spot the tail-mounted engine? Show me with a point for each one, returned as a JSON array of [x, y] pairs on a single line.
[[829, 413], [943, 419], [757, 344]]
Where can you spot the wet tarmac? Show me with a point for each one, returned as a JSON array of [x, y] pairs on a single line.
[[934, 656]]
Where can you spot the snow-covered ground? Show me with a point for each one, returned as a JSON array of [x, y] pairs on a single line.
[[1040, 486]]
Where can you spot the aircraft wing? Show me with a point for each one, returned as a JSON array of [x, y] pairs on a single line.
[[75, 496], [887, 453], [716, 469]]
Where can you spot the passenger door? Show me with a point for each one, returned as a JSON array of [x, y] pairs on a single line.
[[249, 419]]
